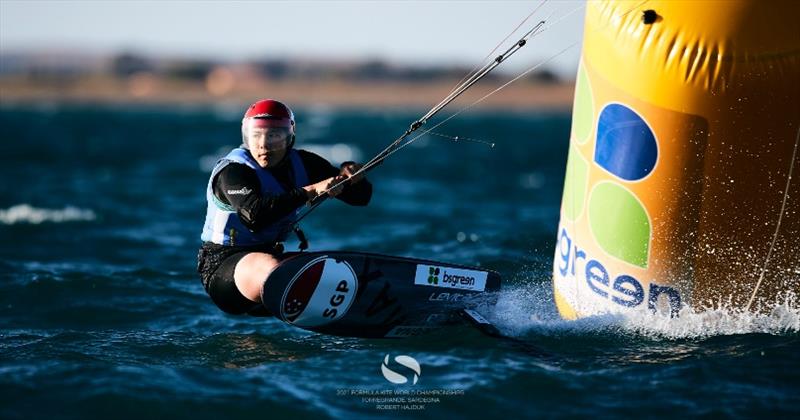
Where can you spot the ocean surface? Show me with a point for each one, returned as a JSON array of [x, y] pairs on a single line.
[[102, 314]]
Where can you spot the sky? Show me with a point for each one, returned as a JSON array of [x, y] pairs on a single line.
[[403, 32]]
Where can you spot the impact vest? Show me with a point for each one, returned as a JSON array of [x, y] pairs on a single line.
[[223, 225]]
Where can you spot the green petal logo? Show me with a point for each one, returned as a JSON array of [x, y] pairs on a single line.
[[620, 223], [433, 275], [575, 184], [582, 108]]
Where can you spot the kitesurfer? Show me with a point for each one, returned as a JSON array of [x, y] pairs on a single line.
[[254, 196]]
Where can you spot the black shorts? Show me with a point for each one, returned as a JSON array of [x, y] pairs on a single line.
[[216, 264]]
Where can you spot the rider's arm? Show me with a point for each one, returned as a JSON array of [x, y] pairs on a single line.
[[318, 169], [238, 186]]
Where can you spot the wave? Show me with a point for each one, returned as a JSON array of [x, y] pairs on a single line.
[[25, 213], [530, 310], [779, 318]]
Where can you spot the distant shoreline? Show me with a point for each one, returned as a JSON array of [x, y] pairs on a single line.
[[145, 90]]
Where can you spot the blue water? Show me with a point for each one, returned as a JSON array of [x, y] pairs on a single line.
[[103, 314]]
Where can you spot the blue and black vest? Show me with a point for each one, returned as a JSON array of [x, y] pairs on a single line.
[[223, 225]]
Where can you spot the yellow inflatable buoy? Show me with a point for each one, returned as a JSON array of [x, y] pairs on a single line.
[[685, 130]]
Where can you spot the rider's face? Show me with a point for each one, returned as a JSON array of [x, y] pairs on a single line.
[[268, 145]]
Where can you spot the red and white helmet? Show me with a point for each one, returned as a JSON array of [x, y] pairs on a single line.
[[268, 114]]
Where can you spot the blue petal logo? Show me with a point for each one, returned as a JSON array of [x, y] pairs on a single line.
[[402, 360], [625, 146]]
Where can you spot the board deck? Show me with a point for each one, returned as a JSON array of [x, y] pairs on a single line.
[[372, 295]]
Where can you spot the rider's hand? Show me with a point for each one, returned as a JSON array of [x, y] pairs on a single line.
[[334, 191], [321, 187], [350, 168]]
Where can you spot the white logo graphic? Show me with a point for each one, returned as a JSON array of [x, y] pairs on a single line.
[[243, 191], [397, 378]]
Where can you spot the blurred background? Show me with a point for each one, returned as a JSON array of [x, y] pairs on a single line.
[[390, 53]]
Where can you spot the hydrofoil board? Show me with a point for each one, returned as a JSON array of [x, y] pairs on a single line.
[[372, 295]]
